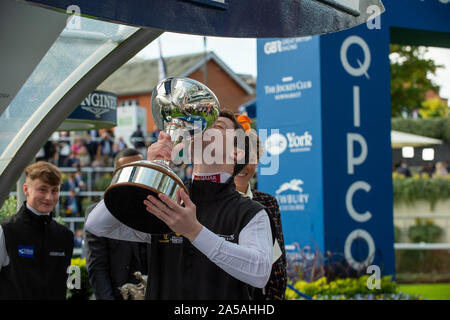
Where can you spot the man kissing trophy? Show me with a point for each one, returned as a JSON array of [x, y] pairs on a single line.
[[181, 107]]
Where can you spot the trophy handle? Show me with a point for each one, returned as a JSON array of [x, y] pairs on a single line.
[[176, 130]]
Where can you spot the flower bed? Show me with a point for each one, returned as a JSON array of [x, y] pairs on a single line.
[[349, 289], [392, 296]]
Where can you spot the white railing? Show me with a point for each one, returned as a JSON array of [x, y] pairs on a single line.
[[422, 246], [70, 223]]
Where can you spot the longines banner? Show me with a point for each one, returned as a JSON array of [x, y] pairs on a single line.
[[325, 101], [98, 110]]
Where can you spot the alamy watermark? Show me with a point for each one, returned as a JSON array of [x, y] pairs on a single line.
[[374, 281], [74, 278], [233, 146], [74, 20], [374, 20]]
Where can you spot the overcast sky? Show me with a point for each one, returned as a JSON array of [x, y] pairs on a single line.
[[240, 54]]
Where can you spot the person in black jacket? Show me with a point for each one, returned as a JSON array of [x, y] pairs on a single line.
[[138, 139], [221, 243], [35, 250], [112, 263], [276, 287]]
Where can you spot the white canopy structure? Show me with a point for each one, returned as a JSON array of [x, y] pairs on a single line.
[[402, 139], [54, 53]]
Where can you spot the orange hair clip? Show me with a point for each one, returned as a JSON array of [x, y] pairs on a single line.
[[244, 121]]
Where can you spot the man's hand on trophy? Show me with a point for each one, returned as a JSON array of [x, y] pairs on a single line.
[[180, 219], [161, 149]]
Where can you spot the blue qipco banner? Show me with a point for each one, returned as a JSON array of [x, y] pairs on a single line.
[[329, 102]]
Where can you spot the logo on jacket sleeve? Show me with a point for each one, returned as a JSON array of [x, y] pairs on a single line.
[[26, 251], [57, 254], [227, 237]]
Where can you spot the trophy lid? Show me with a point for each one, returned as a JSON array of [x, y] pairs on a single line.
[[184, 101]]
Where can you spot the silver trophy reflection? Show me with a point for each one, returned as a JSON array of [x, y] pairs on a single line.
[[180, 106]]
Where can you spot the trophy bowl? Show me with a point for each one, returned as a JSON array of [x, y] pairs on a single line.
[[181, 107]]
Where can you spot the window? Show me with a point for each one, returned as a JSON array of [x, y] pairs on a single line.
[[428, 154], [408, 152]]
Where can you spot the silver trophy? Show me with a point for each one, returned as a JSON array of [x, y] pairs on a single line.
[[181, 107]]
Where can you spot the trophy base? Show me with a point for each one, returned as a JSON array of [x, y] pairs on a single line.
[[130, 186], [132, 211]]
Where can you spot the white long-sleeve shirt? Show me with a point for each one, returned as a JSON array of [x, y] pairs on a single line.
[[250, 260]]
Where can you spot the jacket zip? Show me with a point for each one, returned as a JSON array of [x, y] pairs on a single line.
[[46, 255]]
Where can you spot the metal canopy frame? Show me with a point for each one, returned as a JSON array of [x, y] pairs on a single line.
[[231, 18], [102, 70], [293, 18]]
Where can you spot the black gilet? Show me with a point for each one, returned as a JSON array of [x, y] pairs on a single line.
[[178, 270], [39, 251]]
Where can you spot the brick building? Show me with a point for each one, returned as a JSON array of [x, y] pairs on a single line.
[[134, 81]]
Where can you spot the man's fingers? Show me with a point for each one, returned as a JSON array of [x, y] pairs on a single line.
[[165, 151], [162, 149], [179, 201], [160, 214], [151, 207], [167, 201], [159, 204], [182, 195], [164, 136]]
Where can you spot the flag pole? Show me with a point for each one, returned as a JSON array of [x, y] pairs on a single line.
[[205, 70], [161, 63]]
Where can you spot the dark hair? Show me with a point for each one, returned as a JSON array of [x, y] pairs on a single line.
[[127, 152], [230, 115], [255, 145], [240, 133]]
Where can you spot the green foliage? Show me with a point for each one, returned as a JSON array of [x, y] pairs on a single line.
[[59, 220], [438, 128], [85, 203], [424, 231], [422, 265], [434, 108], [409, 190], [424, 277], [103, 182], [437, 291], [409, 77], [397, 234], [428, 262], [9, 208]]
